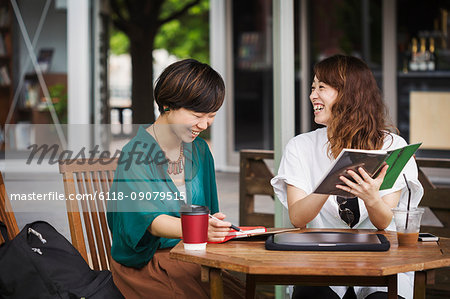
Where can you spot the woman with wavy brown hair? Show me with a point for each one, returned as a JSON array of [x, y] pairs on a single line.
[[347, 101]]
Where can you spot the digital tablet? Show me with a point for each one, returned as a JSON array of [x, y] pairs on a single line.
[[328, 241]]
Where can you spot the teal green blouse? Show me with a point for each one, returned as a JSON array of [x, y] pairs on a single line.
[[142, 190]]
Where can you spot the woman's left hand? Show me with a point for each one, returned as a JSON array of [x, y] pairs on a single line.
[[364, 187]]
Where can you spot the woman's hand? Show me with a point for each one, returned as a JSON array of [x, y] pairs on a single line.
[[218, 229], [365, 187]]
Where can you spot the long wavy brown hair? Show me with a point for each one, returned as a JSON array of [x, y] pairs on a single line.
[[359, 116]]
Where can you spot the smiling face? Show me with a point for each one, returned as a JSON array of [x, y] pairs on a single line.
[[188, 124], [322, 96]]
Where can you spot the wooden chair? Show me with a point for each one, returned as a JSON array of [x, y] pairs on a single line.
[[83, 177], [6, 213], [254, 179], [437, 198]]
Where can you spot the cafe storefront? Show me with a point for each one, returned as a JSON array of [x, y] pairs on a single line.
[[405, 43]]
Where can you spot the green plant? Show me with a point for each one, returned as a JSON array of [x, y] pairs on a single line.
[[58, 94]]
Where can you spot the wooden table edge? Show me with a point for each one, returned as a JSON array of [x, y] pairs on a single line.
[[216, 260]]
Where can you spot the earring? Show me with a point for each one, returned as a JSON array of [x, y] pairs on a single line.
[[166, 109]]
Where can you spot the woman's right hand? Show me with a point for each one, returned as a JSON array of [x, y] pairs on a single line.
[[218, 229]]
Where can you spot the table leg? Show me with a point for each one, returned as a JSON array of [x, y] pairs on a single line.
[[250, 286], [392, 286], [419, 284], [204, 273], [216, 283]]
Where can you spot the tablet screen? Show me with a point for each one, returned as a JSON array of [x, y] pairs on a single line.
[[324, 239]]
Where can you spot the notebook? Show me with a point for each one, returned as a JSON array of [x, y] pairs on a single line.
[[372, 161], [254, 231]]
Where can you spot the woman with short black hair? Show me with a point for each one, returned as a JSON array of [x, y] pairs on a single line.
[[170, 165]]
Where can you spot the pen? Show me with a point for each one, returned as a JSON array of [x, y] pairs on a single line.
[[232, 226]]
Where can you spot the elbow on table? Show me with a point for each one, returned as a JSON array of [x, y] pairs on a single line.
[[296, 221], [381, 226]]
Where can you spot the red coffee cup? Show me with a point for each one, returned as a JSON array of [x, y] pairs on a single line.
[[194, 225]]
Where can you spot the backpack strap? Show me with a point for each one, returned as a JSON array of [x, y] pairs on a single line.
[[4, 231]]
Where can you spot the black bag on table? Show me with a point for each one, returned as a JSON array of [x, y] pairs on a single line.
[[41, 263]]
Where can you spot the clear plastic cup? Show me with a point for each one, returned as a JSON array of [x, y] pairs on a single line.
[[408, 225]]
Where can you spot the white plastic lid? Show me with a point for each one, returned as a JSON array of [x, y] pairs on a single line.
[[195, 246]]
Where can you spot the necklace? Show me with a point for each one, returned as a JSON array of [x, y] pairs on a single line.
[[173, 167]]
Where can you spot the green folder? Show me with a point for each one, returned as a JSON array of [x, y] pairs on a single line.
[[372, 161], [397, 160]]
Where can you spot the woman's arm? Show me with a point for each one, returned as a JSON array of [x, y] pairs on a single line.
[[380, 213], [366, 188], [302, 207], [166, 226]]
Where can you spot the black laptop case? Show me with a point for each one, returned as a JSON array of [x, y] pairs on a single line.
[[327, 241]]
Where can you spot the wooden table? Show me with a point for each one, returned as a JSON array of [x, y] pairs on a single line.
[[263, 266]]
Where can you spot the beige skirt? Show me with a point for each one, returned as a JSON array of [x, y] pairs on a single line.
[[164, 277]]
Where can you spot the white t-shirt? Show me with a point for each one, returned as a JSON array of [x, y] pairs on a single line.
[[305, 161]]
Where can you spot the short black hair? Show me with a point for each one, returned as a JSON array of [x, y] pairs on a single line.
[[191, 85]]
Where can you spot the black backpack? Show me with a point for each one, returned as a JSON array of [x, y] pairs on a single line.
[[41, 263]]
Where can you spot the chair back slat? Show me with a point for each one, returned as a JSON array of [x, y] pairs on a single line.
[[93, 177], [87, 221], [109, 177], [73, 214], [6, 212], [104, 181], [101, 213], [104, 185], [95, 219]]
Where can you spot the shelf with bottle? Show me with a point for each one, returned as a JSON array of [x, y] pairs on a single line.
[[426, 74], [422, 57], [428, 49]]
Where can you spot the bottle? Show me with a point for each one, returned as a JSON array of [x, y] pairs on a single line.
[[406, 57], [444, 15], [413, 65], [423, 55], [431, 65]]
